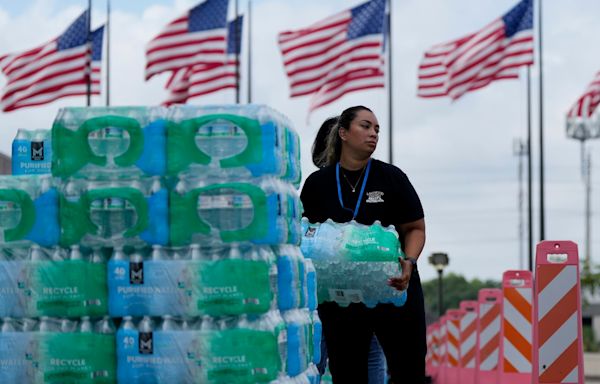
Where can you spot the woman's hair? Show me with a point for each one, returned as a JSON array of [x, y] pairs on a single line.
[[332, 150], [320, 143]]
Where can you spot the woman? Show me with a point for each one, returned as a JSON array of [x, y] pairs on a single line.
[[352, 185], [376, 362]]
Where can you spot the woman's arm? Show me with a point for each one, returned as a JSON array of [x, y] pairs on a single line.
[[414, 241]]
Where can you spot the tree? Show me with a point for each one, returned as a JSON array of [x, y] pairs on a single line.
[[455, 289]]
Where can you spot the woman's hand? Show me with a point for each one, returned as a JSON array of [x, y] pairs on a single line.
[[401, 283]]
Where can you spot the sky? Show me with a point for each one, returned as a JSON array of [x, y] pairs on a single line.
[[458, 155]]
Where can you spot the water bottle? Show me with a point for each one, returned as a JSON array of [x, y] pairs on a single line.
[[296, 342], [8, 325], [317, 337], [288, 280], [67, 325], [13, 350], [311, 284], [313, 375]]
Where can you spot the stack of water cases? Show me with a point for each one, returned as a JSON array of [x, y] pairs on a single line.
[[227, 301], [53, 300]]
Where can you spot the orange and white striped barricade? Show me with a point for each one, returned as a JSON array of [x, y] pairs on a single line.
[[430, 367], [557, 341], [436, 356], [516, 348], [453, 317], [468, 341], [441, 374], [488, 336]]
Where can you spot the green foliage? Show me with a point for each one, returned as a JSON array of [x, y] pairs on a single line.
[[455, 289], [589, 340], [590, 277]]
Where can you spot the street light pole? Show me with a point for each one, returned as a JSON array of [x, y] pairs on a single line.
[[439, 260], [440, 293]]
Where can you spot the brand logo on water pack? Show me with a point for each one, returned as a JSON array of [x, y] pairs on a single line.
[[136, 273], [145, 343], [37, 150]]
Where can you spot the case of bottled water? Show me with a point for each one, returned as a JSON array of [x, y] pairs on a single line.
[[158, 350], [32, 152], [210, 350], [114, 212], [99, 141], [192, 281], [57, 350], [52, 282], [353, 261], [240, 141], [244, 349], [234, 280], [28, 211], [206, 211]]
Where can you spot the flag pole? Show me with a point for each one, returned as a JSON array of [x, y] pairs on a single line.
[[107, 52], [541, 91], [88, 65], [249, 64], [390, 83], [237, 55], [529, 175]]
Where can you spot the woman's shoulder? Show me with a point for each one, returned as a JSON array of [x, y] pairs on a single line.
[[389, 169], [321, 173]]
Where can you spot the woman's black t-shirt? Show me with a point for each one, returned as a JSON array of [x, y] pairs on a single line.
[[388, 197]]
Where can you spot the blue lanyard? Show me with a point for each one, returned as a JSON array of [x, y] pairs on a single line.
[[362, 188]]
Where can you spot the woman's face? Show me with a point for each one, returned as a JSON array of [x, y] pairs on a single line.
[[363, 134]]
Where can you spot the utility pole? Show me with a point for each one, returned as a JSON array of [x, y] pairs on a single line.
[[586, 165], [520, 150]]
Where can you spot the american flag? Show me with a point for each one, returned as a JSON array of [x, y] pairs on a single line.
[[585, 106], [202, 79], [579, 117], [336, 56], [54, 70], [198, 37], [473, 61]]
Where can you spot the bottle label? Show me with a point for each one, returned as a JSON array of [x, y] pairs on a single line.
[[236, 353], [69, 288], [31, 157], [233, 287], [345, 296], [156, 288], [158, 357], [57, 357]]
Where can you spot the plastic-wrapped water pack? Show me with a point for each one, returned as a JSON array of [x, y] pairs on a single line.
[[232, 141], [57, 351], [100, 142], [52, 282], [28, 211], [232, 350], [209, 212], [193, 281], [353, 261], [114, 212]]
